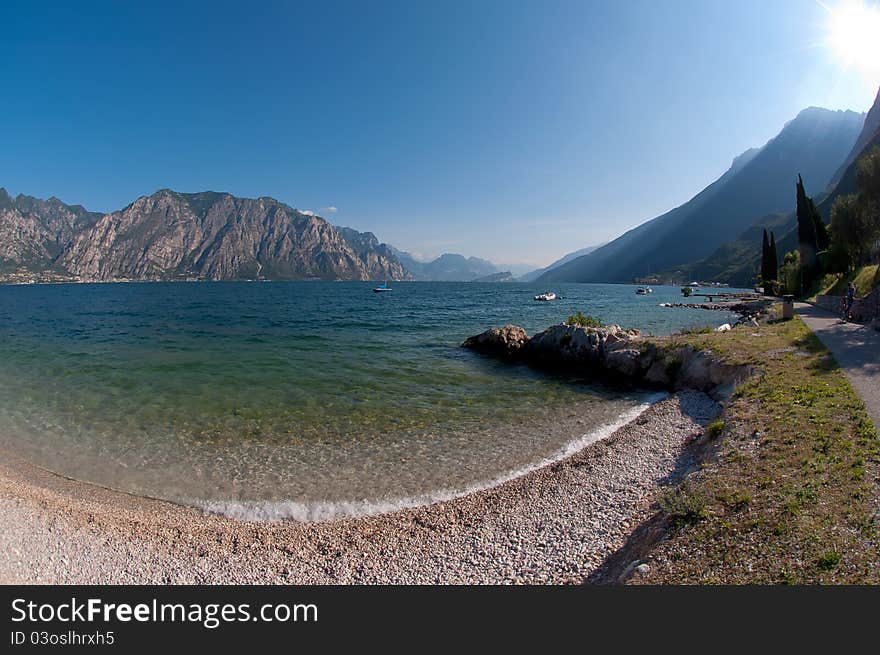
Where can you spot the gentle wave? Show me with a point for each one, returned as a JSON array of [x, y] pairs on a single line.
[[319, 511]]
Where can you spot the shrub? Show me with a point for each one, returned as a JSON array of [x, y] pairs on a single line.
[[829, 560], [696, 329], [684, 506], [715, 428], [583, 321], [686, 291]]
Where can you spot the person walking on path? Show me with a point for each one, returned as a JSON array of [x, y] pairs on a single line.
[[850, 298]]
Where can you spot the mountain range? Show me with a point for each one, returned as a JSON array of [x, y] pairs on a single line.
[[448, 267], [172, 236], [757, 188], [204, 236]]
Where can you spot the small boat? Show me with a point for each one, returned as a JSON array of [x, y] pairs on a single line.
[[382, 288], [546, 296], [643, 291]]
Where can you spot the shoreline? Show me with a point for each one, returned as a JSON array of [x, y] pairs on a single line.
[[554, 524]]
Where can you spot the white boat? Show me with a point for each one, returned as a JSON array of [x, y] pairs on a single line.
[[382, 288], [546, 296], [642, 291]]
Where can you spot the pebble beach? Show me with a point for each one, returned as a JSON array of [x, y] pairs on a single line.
[[553, 525]]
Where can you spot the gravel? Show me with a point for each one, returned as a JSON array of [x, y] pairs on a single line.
[[553, 525]]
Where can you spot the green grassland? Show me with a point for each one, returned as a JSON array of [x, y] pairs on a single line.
[[787, 491]]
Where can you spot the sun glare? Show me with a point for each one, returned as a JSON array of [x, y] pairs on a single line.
[[854, 37]]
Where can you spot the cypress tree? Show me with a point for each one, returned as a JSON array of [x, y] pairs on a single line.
[[806, 237], [765, 260], [806, 225], [774, 258], [822, 238]]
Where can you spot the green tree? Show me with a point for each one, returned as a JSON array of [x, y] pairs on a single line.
[[774, 258], [849, 228], [765, 261], [868, 178], [790, 275], [807, 247]]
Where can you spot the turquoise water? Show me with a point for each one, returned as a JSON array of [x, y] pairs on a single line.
[[307, 400]]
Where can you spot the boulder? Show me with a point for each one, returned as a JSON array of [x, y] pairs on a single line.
[[625, 361], [658, 375], [563, 344], [507, 341]]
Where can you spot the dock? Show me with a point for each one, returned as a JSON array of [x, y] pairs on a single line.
[[743, 296]]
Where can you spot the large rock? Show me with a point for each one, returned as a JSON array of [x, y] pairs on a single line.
[[574, 345], [657, 374], [624, 361], [704, 371], [499, 342], [616, 353]]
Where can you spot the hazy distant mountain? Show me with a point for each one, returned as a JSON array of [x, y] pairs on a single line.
[[534, 275], [503, 276], [448, 267], [33, 232], [758, 183]]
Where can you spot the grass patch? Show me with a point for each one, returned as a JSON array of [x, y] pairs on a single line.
[[715, 428], [788, 487], [866, 279]]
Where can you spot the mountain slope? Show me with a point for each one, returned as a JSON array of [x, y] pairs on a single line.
[[534, 275], [375, 255], [869, 130], [503, 276], [216, 236], [33, 232], [738, 261], [757, 184]]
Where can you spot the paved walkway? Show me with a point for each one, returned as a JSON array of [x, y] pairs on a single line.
[[855, 347]]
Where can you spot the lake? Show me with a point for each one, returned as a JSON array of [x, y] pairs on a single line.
[[305, 400]]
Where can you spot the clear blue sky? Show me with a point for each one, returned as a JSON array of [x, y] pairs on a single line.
[[512, 130]]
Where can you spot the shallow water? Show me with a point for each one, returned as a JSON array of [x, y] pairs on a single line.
[[298, 399]]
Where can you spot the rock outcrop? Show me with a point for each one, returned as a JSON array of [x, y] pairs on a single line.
[[506, 342], [614, 353]]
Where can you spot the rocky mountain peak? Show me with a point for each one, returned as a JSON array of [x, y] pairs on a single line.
[[170, 235]]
